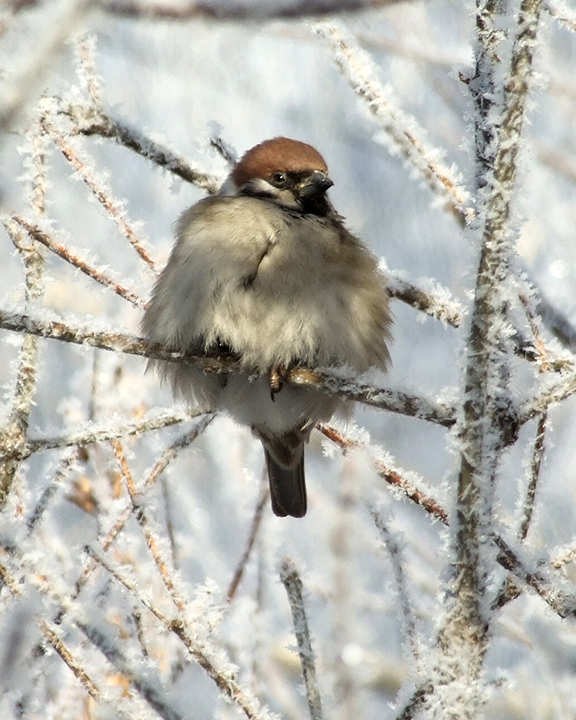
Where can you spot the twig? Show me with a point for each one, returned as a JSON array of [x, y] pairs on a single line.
[[41, 55], [60, 249], [205, 655], [564, 15], [538, 450], [549, 393], [293, 584], [323, 381], [173, 450], [13, 435], [51, 635], [437, 305], [95, 433], [149, 535], [65, 465], [169, 454], [86, 69], [113, 129], [102, 195], [236, 10], [403, 133], [414, 705], [254, 529], [137, 674], [342, 539], [400, 576], [392, 477], [561, 601]]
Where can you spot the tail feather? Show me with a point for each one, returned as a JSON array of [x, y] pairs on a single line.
[[287, 487]]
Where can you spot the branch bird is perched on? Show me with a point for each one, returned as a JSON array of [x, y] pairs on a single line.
[[267, 270]]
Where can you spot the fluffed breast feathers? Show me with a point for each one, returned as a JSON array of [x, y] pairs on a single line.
[[277, 287]]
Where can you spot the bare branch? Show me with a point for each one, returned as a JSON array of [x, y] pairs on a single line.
[[464, 635], [403, 132], [254, 529], [97, 187], [60, 249], [293, 584], [95, 433], [323, 381], [237, 10], [101, 124]]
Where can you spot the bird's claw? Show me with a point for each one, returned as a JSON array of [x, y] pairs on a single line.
[[277, 376]]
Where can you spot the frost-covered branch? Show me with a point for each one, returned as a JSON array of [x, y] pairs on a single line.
[[101, 432], [402, 133], [59, 248], [213, 661], [151, 537], [87, 122], [253, 534], [13, 435], [463, 637], [324, 381], [551, 391], [561, 601], [396, 479], [435, 301], [394, 550], [25, 78], [562, 13], [102, 194], [293, 584], [264, 10]]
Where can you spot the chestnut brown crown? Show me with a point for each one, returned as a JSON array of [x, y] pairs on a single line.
[[280, 154]]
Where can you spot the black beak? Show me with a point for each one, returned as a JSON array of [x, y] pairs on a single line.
[[314, 185]]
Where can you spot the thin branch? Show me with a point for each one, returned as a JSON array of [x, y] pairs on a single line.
[[13, 436], [167, 456], [551, 391], [236, 10], [254, 529], [101, 124], [293, 584], [323, 381], [561, 601], [392, 477], [96, 432], [66, 464], [403, 133], [60, 249], [538, 450], [400, 576], [211, 660], [149, 534], [136, 672], [416, 702], [53, 638], [437, 304], [563, 14], [101, 193], [23, 83]]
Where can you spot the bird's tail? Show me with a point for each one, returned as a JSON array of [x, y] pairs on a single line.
[[287, 486]]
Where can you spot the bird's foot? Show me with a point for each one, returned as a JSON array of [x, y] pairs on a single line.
[[278, 375]]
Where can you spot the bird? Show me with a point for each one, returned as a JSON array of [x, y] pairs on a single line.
[[266, 270]]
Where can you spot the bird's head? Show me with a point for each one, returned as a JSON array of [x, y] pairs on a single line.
[[287, 172]]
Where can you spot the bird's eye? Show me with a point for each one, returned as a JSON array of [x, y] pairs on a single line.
[[279, 179]]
